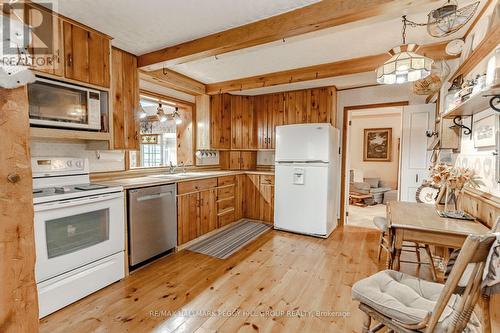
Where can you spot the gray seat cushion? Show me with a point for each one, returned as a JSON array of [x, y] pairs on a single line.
[[380, 190], [381, 223], [374, 182], [404, 297]]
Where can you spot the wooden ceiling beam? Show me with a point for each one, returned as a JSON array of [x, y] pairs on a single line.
[[333, 69], [173, 80], [318, 16]]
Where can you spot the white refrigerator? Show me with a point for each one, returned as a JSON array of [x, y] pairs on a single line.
[[306, 183]]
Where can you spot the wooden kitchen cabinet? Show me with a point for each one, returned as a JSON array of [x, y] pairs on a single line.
[[125, 100], [310, 106], [220, 121], [52, 28], [188, 216], [86, 55], [270, 112], [266, 197], [238, 160], [196, 211], [243, 123], [258, 199], [208, 211], [226, 200], [251, 197]]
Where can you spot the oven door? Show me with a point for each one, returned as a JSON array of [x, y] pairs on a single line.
[[72, 233]]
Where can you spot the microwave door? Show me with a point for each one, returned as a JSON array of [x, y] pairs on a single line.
[[61, 105]]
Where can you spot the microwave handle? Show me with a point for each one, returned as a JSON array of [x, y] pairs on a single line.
[[77, 201]]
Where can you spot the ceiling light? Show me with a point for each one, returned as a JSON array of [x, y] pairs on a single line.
[[161, 114], [404, 65], [448, 18], [177, 116]]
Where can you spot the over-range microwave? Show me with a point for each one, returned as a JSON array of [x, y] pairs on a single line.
[[56, 104]]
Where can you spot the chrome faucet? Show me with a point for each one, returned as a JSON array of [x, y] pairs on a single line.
[[172, 167], [183, 167]]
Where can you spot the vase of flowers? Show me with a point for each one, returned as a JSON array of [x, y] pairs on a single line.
[[452, 181]]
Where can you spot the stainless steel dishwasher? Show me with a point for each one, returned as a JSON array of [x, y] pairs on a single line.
[[152, 222]]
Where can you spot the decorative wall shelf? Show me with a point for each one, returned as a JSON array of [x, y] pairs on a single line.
[[56, 133], [485, 47], [475, 104]]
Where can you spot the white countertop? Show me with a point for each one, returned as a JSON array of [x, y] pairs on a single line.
[[166, 178]]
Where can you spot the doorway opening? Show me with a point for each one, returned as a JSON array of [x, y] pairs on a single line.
[[371, 161]]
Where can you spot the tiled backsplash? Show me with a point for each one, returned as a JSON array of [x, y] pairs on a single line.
[[99, 160]]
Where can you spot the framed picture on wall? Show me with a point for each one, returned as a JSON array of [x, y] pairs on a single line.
[[485, 131], [377, 145]]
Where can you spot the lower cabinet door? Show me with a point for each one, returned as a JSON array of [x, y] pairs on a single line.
[[208, 211], [251, 197], [226, 219], [266, 207], [188, 217]]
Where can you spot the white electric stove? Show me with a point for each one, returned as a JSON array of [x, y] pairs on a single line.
[[79, 232]]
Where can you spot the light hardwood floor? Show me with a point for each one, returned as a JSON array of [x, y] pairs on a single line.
[[277, 272]]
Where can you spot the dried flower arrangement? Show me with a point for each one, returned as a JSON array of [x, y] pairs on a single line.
[[452, 180]]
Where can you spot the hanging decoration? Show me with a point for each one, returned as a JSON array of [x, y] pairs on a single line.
[[404, 65], [449, 18]]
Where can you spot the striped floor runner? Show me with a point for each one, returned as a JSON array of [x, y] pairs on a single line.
[[223, 244]]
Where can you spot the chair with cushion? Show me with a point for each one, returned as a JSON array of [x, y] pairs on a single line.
[[404, 303], [383, 225]]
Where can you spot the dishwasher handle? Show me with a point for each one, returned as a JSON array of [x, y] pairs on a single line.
[[154, 196]]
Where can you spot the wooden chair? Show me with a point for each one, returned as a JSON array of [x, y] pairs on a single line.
[[383, 225], [384, 296]]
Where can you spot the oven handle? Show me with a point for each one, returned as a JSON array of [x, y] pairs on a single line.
[[78, 201]]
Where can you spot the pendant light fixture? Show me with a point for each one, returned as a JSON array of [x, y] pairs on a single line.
[[177, 116], [404, 65], [162, 117]]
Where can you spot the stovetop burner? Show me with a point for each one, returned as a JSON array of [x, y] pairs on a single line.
[[90, 187]]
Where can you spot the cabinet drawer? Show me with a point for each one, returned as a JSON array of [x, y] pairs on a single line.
[[196, 185], [225, 192], [226, 180], [226, 219], [222, 205], [267, 180]]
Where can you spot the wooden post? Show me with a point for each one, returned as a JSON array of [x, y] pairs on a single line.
[[18, 293]]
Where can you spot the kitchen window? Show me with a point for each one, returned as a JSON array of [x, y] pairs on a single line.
[[165, 133]]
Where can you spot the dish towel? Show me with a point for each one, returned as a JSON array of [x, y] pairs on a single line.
[[491, 275]]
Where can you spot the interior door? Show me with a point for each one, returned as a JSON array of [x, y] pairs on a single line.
[[415, 159]]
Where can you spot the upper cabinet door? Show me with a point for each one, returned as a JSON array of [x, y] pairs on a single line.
[[86, 55], [99, 49], [76, 50], [220, 121], [276, 116], [262, 114], [46, 44], [243, 123], [125, 100], [296, 107]]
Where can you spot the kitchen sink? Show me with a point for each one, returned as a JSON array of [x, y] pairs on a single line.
[[182, 175]]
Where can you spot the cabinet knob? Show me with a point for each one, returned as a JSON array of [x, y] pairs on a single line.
[[13, 178]]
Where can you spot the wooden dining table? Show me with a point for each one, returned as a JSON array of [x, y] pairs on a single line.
[[420, 223]]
